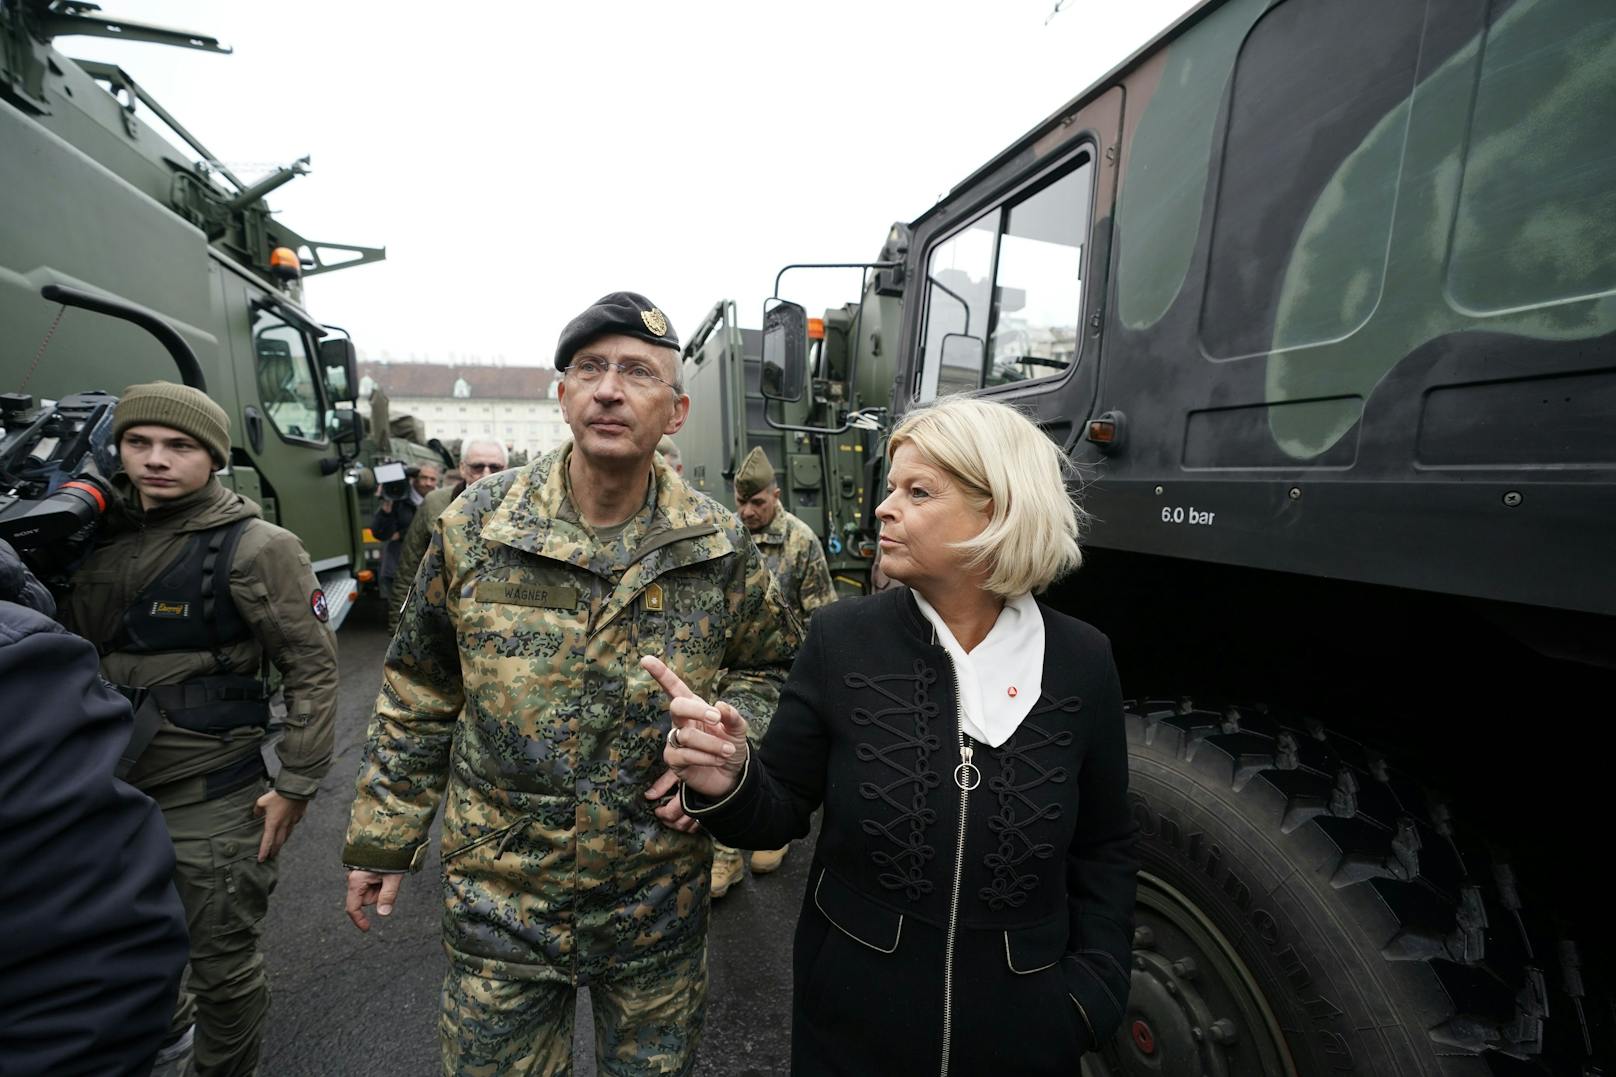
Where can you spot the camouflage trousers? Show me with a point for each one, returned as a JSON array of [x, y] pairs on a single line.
[[225, 891], [648, 1023]]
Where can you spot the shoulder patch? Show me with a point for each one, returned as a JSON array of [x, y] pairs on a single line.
[[319, 607]]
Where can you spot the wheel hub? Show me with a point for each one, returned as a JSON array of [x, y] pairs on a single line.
[[1194, 1010]]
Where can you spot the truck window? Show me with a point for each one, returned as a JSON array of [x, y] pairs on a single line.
[[1536, 221], [1004, 295], [286, 383], [1317, 118]]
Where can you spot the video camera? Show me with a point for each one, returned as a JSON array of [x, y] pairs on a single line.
[[53, 466], [55, 458], [393, 479]]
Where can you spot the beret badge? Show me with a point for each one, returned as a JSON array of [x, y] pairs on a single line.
[[655, 321]]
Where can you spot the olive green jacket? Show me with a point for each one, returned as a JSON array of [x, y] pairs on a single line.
[[794, 555], [513, 694], [274, 588]]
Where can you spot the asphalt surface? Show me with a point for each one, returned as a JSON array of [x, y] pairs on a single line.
[[352, 1003]]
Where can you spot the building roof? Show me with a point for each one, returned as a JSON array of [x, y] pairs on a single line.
[[404, 380]]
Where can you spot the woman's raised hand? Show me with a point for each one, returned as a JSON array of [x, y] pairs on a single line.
[[707, 745]]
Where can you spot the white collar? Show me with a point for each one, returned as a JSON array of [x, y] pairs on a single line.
[[1001, 678]]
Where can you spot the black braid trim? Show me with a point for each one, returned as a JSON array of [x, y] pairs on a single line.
[[911, 776], [1017, 808]]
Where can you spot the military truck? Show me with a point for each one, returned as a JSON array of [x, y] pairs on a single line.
[[820, 428], [96, 202], [1320, 298]]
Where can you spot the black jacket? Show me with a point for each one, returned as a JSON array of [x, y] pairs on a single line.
[[92, 933], [1043, 911]]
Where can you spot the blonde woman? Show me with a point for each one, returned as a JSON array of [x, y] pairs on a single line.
[[970, 905]]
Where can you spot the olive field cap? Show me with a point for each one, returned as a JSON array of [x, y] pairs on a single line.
[[756, 474], [620, 312], [178, 407]]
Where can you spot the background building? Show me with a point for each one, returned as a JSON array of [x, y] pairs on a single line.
[[514, 404]]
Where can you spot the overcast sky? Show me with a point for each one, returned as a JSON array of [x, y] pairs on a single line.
[[518, 160]]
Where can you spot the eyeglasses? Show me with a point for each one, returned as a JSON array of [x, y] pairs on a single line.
[[589, 370], [477, 468]]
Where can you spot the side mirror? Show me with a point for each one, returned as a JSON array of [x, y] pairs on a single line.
[[345, 427], [962, 351], [339, 367], [785, 351]]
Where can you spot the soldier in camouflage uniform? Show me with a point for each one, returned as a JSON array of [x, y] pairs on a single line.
[[793, 553], [513, 694], [191, 657]]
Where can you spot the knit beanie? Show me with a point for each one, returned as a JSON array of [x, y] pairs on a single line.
[[179, 407]]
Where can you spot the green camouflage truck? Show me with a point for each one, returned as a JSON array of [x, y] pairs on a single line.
[[96, 202], [821, 431], [1320, 296]]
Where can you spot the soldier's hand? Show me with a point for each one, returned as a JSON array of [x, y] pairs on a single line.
[[371, 888], [280, 814], [669, 810], [707, 744]]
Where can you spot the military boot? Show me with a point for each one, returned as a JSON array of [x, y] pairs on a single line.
[[727, 869], [766, 860]]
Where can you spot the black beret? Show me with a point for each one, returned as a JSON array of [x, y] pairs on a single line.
[[629, 313]]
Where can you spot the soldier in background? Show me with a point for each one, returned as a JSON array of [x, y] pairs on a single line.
[[478, 457], [191, 596], [793, 553], [513, 694]]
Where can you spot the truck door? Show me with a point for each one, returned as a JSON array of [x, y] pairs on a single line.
[[1012, 272], [284, 414]]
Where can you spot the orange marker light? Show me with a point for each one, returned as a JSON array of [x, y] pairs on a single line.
[[1102, 431], [816, 329], [284, 263]]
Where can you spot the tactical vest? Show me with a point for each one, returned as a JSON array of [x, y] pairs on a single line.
[[188, 608]]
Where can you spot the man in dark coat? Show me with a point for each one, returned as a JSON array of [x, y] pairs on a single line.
[[390, 524], [92, 932]]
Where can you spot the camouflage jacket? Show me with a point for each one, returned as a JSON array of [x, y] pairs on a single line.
[[513, 693], [275, 591], [797, 560]]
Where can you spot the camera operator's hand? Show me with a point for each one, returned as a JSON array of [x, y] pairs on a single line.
[[371, 888]]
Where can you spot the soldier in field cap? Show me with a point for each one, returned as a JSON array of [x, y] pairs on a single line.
[[190, 595], [513, 696], [793, 553]]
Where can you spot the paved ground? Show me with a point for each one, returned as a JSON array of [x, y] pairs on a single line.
[[347, 1003]]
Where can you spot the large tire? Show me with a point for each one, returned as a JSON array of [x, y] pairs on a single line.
[[1334, 917]]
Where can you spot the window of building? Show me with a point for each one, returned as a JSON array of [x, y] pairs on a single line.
[[1004, 295]]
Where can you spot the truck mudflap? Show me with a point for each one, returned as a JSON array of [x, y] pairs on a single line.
[[340, 591]]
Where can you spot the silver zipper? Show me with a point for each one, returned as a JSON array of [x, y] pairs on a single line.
[[967, 777]]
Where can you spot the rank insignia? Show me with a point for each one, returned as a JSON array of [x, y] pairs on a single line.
[[655, 321], [653, 598]]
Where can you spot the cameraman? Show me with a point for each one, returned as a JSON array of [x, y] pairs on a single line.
[[92, 935], [190, 596], [390, 524]]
